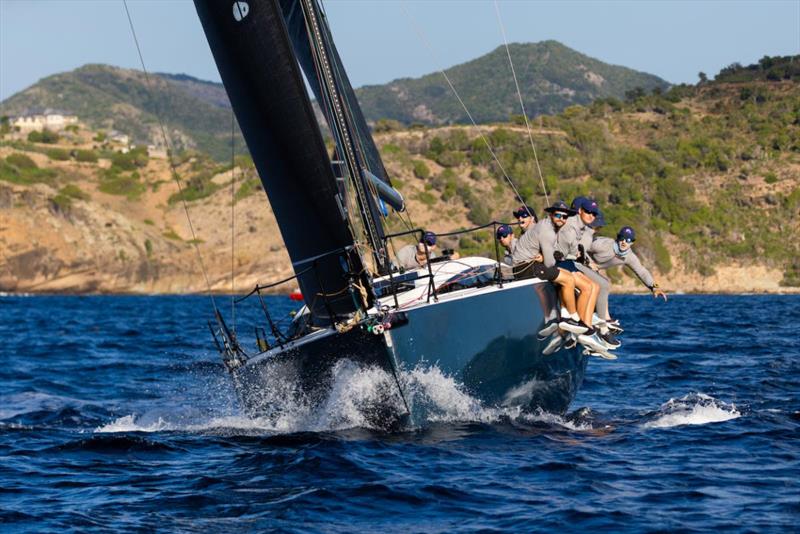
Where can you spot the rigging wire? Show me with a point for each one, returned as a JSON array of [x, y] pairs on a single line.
[[172, 163], [233, 218], [427, 44], [521, 104]]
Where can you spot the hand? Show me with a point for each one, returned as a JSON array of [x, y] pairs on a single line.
[[455, 256], [538, 258], [659, 293]]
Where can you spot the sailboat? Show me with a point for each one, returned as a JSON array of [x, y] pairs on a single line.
[[490, 333]]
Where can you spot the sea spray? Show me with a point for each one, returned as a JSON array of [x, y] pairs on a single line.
[[358, 397], [692, 409]]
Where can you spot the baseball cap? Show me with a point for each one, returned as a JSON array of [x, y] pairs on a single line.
[[429, 238], [626, 233], [504, 230], [524, 211]]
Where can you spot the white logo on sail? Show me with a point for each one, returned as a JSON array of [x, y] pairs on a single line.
[[240, 10]]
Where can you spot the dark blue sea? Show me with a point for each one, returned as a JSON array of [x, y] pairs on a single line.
[[116, 414]]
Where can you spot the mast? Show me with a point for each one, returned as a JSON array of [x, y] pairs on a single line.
[[355, 147], [256, 61]]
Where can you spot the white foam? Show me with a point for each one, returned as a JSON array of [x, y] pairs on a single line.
[[359, 397], [693, 409]]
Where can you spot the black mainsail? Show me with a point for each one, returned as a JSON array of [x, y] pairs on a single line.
[[255, 58]]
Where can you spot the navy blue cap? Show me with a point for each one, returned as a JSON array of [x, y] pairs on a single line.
[[598, 221], [504, 230], [429, 238], [560, 206], [524, 211], [626, 233], [590, 206], [577, 202]]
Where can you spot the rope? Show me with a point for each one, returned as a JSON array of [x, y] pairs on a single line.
[[171, 162], [427, 44], [233, 218], [521, 104]]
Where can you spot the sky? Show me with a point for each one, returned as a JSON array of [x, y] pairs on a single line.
[[381, 40]]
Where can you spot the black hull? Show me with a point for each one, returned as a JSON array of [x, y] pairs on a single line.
[[487, 341]]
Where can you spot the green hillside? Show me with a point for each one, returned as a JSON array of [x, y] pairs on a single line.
[[195, 113], [551, 77], [708, 174]]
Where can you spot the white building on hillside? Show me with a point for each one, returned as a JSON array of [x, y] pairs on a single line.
[[49, 118]]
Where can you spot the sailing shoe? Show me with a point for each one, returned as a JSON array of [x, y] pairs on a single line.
[[548, 330], [554, 344], [614, 326], [605, 355], [572, 340], [571, 325], [610, 341], [592, 341]]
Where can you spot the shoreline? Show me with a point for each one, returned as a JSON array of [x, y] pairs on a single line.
[[789, 291]]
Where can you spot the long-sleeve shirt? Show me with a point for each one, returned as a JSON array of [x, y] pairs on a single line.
[[572, 234], [407, 257], [508, 257], [603, 254], [539, 239]]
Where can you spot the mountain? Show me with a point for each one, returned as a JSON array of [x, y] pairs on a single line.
[[196, 113], [709, 175], [551, 76]]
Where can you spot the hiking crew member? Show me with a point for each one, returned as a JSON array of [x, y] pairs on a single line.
[[533, 257], [607, 253], [505, 236], [526, 217], [416, 256], [574, 240]]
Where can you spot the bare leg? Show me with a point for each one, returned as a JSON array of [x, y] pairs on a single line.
[[588, 297], [566, 283]]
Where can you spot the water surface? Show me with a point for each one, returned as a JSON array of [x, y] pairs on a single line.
[[116, 413]]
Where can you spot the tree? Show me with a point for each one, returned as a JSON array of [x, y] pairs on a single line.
[[703, 77]]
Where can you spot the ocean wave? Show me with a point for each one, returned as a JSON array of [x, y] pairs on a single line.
[[693, 409], [359, 397]]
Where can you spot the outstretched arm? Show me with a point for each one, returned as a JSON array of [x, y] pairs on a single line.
[[644, 275]]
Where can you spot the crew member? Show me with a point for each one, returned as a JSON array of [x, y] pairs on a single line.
[[505, 236], [607, 253], [525, 216], [533, 257], [574, 240], [416, 256]]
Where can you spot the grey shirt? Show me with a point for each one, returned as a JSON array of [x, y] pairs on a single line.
[[574, 233], [539, 239], [602, 252], [407, 257], [508, 257]]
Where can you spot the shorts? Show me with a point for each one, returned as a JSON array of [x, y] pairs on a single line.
[[568, 265], [535, 269]]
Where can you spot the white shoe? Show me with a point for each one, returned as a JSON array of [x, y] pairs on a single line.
[[600, 354], [548, 330], [556, 343], [571, 325]]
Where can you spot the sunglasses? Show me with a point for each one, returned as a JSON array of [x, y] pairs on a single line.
[[522, 216], [560, 215], [628, 241], [592, 213]]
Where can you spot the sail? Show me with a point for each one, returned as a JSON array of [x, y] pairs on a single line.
[[261, 75], [296, 25], [355, 148]]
